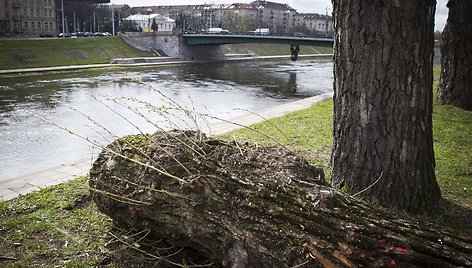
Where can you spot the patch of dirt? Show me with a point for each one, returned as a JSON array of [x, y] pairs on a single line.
[[81, 202], [80, 54], [455, 216]]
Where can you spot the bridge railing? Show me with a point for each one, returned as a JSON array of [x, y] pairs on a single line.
[[301, 35]]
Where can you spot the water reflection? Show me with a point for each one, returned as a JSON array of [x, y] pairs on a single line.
[[225, 90]]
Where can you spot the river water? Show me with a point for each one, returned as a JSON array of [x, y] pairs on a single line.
[[41, 116]]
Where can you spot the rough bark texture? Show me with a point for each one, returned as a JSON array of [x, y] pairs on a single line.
[[383, 102], [246, 206], [455, 86]]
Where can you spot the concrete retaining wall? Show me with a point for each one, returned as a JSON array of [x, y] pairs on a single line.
[[173, 46]]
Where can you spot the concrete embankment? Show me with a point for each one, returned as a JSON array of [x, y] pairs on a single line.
[[150, 61]]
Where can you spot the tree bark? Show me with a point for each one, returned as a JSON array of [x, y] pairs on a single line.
[[246, 206], [382, 122], [455, 85]]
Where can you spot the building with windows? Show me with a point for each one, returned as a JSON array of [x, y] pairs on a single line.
[[32, 18], [144, 22], [3, 18], [314, 24], [27, 18], [240, 17]]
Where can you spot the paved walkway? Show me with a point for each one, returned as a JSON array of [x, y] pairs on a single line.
[[15, 187], [162, 61]]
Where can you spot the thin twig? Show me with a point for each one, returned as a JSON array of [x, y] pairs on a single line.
[[108, 149], [8, 258], [370, 186], [120, 198], [265, 120], [162, 258]]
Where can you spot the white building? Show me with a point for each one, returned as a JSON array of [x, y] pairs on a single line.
[[164, 24]]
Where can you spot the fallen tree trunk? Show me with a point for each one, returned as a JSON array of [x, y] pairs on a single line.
[[246, 206]]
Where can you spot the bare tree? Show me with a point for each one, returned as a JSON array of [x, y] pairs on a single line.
[[383, 146], [455, 85]]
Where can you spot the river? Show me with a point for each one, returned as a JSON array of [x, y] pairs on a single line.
[[42, 114]]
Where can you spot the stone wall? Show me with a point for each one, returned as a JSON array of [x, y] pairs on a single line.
[[173, 46]]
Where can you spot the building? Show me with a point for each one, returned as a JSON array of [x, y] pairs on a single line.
[[27, 18], [236, 17], [144, 22], [242, 17], [3, 18], [275, 16], [314, 24], [32, 18]]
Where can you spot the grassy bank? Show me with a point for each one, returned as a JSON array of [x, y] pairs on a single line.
[[15, 53], [273, 49], [60, 226], [29, 53]]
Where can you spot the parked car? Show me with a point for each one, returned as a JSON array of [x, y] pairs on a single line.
[[213, 31], [46, 34], [84, 34], [63, 35], [297, 34], [261, 31]]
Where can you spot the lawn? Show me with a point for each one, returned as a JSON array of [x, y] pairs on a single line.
[[273, 49], [26, 53]]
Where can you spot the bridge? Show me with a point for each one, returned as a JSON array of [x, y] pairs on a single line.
[[223, 39], [210, 46], [192, 40]]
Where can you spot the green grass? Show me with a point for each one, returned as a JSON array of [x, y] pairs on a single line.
[[307, 132], [57, 225], [273, 49], [23, 53], [452, 132], [310, 132], [59, 52], [60, 226]]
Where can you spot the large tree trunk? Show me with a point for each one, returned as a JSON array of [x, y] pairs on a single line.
[[383, 146], [247, 206], [455, 85]]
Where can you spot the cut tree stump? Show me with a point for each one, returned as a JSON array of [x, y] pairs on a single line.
[[242, 205]]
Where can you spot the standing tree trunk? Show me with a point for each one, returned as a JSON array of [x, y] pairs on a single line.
[[455, 85], [383, 147]]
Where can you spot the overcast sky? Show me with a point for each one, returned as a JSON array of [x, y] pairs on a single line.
[[305, 6]]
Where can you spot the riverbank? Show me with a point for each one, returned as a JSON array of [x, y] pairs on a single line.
[[99, 52], [148, 62], [34, 53]]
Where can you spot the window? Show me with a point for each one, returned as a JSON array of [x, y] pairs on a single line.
[[26, 25], [39, 25], [32, 25]]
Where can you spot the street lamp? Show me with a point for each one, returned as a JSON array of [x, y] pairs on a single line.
[[259, 10], [287, 20], [112, 19], [236, 21], [63, 25]]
